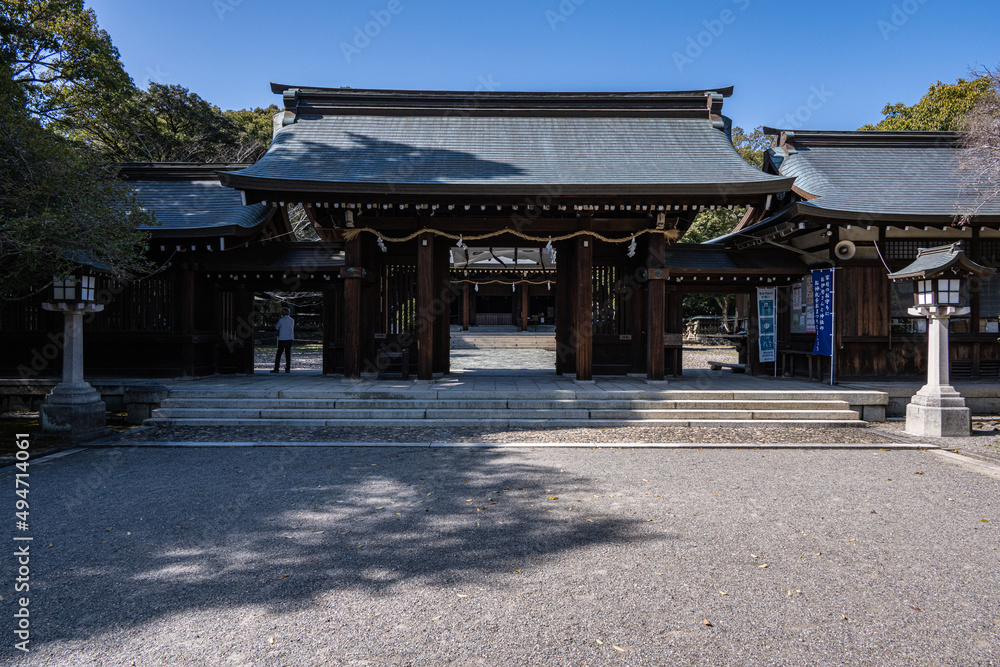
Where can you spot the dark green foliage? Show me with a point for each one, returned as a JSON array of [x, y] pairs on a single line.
[[56, 197], [943, 107]]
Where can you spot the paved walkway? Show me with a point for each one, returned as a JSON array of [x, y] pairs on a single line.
[[338, 556]]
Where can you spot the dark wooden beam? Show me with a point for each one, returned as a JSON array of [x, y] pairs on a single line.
[[353, 276], [465, 307], [565, 350], [583, 329], [654, 308], [442, 310], [524, 307], [425, 307]]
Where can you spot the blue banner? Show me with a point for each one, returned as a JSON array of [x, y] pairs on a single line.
[[767, 331], [823, 311]]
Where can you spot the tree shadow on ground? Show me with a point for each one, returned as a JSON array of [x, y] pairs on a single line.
[[142, 534]]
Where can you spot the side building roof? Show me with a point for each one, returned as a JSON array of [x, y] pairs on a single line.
[[874, 176], [188, 200], [648, 147]]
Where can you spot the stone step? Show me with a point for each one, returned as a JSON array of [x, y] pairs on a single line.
[[477, 416], [498, 404], [768, 415], [503, 423], [434, 393]]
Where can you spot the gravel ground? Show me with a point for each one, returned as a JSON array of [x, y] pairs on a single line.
[[624, 434], [352, 556], [983, 444]]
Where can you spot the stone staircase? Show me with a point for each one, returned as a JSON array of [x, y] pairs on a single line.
[[563, 409]]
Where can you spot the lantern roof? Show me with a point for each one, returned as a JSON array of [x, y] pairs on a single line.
[[932, 262]]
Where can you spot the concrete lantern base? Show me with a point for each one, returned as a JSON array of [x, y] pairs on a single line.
[[74, 410], [938, 411]]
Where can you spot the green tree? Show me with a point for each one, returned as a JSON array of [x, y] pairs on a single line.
[[169, 123], [60, 60], [943, 107], [751, 146], [254, 128], [56, 197]]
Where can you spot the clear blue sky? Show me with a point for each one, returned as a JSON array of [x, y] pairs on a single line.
[[834, 63]]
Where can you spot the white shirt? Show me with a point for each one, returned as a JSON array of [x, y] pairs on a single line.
[[286, 328]]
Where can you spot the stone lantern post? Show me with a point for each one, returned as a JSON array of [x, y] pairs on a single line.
[[939, 276], [74, 408]]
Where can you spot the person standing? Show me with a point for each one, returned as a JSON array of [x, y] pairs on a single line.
[[286, 334]]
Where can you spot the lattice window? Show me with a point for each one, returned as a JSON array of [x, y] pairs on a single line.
[[144, 306], [608, 301], [989, 253], [21, 316], [906, 250], [399, 299]]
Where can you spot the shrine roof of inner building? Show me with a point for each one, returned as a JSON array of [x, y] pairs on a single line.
[[398, 150]]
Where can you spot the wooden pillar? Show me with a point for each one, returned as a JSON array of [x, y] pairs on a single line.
[[425, 307], [654, 309], [583, 326], [244, 310], [353, 275], [565, 352], [442, 309], [185, 304], [524, 307], [465, 307]]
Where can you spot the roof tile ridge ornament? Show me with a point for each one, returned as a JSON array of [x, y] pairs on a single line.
[[805, 139], [319, 101]]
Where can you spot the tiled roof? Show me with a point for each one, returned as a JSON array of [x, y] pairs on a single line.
[[935, 261], [613, 144], [491, 151], [199, 206], [904, 175]]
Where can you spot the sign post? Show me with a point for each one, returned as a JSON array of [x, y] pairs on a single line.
[[766, 329], [824, 293]]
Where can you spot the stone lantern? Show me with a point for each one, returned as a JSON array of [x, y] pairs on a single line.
[[74, 408], [939, 276]]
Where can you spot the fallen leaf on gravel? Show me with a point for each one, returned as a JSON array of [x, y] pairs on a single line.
[[708, 623], [319, 532], [984, 521], [345, 532], [553, 497], [618, 648], [436, 618], [917, 608], [918, 473], [284, 576]]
